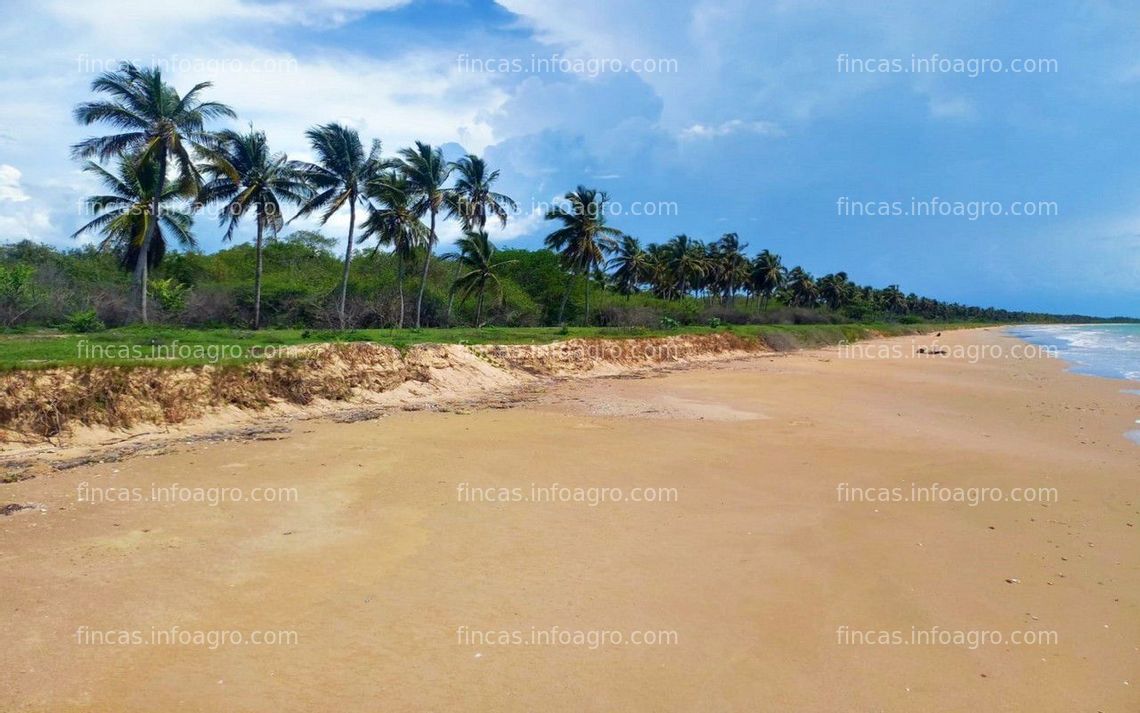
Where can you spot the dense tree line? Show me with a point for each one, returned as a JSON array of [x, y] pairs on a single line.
[[300, 287], [166, 166]]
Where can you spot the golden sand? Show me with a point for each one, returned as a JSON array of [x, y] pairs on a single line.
[[394, 582]]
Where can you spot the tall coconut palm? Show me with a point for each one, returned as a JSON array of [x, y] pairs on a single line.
[[687, 260], [835, 290], [631, 265], [395, 222], [584, 237], [246, 176], [125, 214], [158, 125], [426, 173], [657, 269], [732, 265], [477, 256], [802, 288], [472, 200], [339, 178], [768, 275]]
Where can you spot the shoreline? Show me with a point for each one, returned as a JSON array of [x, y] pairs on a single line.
[[1075, 368], [1051, 336]]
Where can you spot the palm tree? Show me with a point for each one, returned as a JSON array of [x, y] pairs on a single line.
[[472, 200], [631, 265], [835, 290], [657, 272], [476, 253], [158, 125], [802, 289], [395, 222], [245, 176], [768, 275], [584, 237], [732, 265], [124, 215], [426, 173], [892, 299], [338, 179], [687, 260]]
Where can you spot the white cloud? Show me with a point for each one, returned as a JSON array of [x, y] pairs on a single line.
[[733, 126], [26, 222], [150, 22], [952, 108], [10, 189], [520, 225], [418, 96]]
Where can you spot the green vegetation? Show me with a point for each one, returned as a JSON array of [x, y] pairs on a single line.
[[177, 347]]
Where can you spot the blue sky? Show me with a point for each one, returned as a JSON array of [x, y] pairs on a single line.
[[757, 120]]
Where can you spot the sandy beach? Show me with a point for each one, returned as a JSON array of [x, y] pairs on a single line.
[[736, 536]]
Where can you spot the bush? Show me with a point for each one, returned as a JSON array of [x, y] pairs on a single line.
[[17, 292], [619, 315], [84, 322], [687, 310], [211, 307], [169, 294]]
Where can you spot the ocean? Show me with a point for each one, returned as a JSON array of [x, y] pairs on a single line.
[[1108, 350]]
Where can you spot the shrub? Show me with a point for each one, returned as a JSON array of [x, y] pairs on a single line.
[[169, 294], [17, 292], [83, 322], [211, 307], [620, 315]]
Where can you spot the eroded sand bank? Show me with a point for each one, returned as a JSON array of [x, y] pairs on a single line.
[[392, 574]]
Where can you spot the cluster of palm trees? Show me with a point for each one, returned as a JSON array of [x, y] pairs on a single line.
[[721, 270], [169, 166], [163, 132]]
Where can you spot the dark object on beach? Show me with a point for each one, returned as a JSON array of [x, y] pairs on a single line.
[[14, 508], [939, 334]]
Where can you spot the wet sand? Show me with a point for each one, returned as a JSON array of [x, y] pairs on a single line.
[[390, 587]]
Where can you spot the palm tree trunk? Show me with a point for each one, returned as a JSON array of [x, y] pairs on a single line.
[[257, 278], [587, 324], [479, 305], [144, 276], [347, 259], [142, 267], [451, 297], [565, 298], [400, 284], [424, 277]]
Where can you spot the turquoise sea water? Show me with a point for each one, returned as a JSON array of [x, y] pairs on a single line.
[[1108, 350]]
